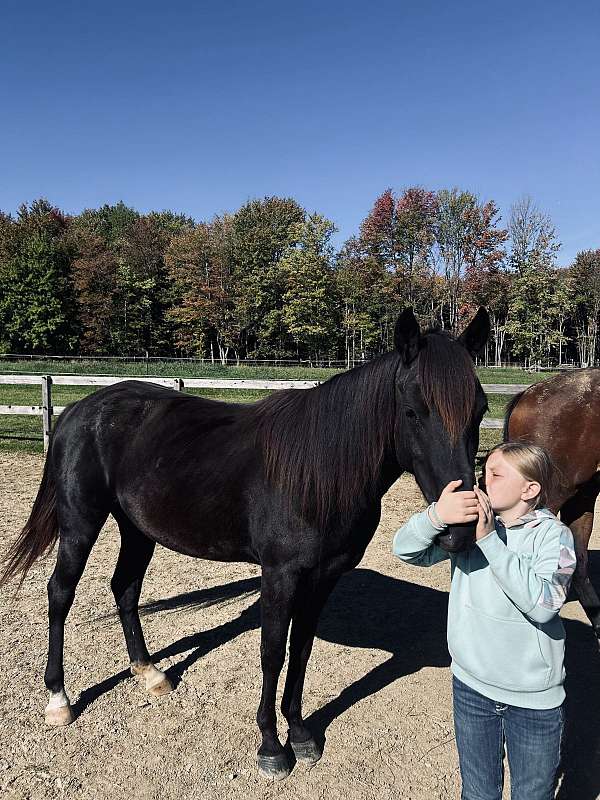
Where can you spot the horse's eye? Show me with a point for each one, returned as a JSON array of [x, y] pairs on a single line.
[[410, 413]]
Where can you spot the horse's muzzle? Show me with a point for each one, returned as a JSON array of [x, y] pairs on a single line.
[[457, 538]]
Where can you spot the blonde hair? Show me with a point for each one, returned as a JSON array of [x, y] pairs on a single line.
[[534, 463]]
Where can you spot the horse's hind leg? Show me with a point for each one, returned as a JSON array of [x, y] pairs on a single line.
[[578, 514], [77, 537], [134, 557]]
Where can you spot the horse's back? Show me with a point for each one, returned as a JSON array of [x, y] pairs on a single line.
[[122, 416], [175, 464], [569, 397], [562, 414]]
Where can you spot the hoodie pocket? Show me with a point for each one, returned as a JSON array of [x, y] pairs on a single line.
[[551, 641], [500, 652]]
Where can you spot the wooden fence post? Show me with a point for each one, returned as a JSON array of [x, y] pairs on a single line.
[[46, 409]]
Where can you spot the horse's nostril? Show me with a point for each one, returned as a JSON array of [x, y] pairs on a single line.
[[454, 542], [447, 542]]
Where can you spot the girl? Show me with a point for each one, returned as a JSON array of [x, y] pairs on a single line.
[[505, 637]]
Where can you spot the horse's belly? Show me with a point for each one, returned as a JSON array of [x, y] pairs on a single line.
[[204, 544], [216, 534]]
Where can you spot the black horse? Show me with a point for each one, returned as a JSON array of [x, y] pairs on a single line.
[[293, 482]]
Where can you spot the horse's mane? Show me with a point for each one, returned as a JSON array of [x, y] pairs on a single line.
[[324, 447]]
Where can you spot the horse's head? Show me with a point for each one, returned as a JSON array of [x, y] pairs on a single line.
[[440, 404]]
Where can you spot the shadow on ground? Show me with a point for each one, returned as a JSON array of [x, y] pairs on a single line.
[[366, 610], [373, 611], [581, 744]]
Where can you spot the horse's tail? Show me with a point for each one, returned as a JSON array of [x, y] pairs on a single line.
[[509, 409], [39, 535]]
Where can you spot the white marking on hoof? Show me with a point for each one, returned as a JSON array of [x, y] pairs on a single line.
[[156, 681], [59, 711]]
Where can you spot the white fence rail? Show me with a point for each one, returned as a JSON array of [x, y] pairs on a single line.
[[47, 410]]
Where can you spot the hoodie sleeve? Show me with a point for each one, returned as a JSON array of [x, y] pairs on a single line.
[[413, 542], [537, 585]]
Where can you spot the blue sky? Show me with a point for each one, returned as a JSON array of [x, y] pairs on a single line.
[[199, 106]]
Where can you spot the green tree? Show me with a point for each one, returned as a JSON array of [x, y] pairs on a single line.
[[141, 296], [263, 230], [416, 212], [584, 277], [308, 300], [533, 238], [201, 271], [533, 315], [97, 236], [455, 229], [37, 311], [565, 307], [534, 308], [489, 287], [486, 280], [95, 282], [120, 278], [364, 288], [399, 235], [110, 223]]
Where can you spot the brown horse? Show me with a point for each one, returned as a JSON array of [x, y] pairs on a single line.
[[562, 414]]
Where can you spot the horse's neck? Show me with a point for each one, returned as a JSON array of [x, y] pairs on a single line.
[[376, 486], [389, 474]]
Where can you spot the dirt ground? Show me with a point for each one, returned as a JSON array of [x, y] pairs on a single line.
[[378, 687]]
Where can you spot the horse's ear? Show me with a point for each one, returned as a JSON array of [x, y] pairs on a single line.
[[407, 335], [476, 333]]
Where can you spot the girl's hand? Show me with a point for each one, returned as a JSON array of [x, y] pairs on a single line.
[[486, 523], [456, 508]]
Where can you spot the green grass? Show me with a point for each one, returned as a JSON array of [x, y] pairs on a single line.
[[26, 426], [489, 375], [28, 429], [63, 395], [162, 369], [488, 437], [497, 405], [183, 369]]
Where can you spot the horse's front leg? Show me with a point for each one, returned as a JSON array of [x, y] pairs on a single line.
[[304, 625], [278, 587]]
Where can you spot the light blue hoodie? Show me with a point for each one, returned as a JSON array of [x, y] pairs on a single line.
[[505, 637]]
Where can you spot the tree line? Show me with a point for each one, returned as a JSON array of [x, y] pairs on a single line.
[[266, 281]]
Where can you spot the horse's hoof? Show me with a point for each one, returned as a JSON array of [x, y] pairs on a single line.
[[155, 680], [273, 768], [58, 717], [164, 687], [307, 752]]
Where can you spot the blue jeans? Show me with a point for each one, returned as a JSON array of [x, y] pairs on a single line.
[[533, 740]]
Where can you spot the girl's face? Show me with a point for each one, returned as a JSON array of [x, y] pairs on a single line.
[[505, 486]]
